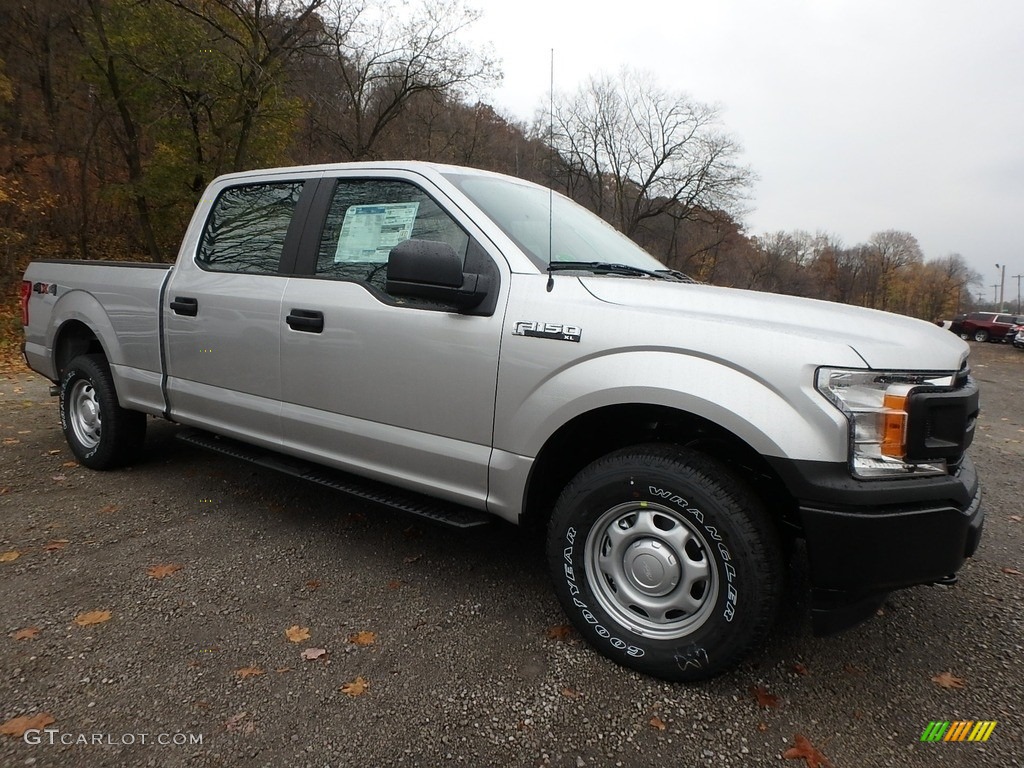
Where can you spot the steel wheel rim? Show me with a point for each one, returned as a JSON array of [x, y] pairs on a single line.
[[84, 414], [652, 570]]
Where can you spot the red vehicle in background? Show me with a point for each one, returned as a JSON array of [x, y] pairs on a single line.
[[986, 326]]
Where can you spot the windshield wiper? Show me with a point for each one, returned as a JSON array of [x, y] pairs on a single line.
[[608, 268]]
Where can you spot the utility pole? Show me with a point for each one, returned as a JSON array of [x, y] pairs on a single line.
[[1002, 285], [995, 294], [1017, 278]]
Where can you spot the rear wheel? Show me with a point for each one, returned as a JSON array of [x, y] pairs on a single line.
[[981, 335], [101, 434], [665, 561]]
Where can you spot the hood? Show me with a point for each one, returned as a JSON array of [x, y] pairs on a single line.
[[884, 340]]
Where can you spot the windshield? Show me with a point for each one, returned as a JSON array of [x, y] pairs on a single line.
[[523, 212]]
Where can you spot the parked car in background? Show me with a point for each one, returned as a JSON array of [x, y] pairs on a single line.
[[986, 326], [1018, 339]]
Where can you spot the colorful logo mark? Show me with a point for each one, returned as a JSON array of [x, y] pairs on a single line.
[[958, 730]]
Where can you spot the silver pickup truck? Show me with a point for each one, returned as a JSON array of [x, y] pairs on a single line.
[[461, 344]]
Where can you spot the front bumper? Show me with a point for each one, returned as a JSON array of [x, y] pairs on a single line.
[[865, 538]]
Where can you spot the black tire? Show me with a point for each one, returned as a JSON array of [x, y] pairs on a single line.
[[101, 433], [965, 335], [694, 576], [981, 335]]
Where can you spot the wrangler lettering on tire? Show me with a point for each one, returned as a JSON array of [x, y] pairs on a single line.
[[665, 561]]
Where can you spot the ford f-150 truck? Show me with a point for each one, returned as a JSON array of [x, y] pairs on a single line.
[[462, 344]]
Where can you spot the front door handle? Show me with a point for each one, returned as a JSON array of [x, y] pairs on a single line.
[[308, 320], [183, 305]]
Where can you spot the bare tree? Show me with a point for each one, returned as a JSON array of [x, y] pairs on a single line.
[[383, 54], [633, 151]]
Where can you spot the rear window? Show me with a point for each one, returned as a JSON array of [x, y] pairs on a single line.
[[247, 227]]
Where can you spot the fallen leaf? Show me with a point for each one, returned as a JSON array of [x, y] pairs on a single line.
[[110, 509], [762, 727], [59, 478], [70, 464], [800, 669], [356, 687], [235, 723], [363, 638], [395, 583], [28, 633], [297, 634], [656, 722], [411, 559], [1013, 518], [24, 431], [92, 617], [948, 680], [11, 441], [763, 698], [803, 749], [8, 557], [162, 571], [311, 654], [5, 489], [313, 585], [17, 726], [850, 669], [281, 670], [570, 693], [53, 453], [1012, 572], [55, 545], [560, 632], [245, 672]]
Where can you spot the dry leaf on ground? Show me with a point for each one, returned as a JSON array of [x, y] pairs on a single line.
[[313, 585], [803, 749], [89, 618], [763, 698], [800, 669], [356, 687], [17, 726], [395, 583], [245, 672], [28, 633], [162, 571], [656, 722], [10, 557], [363, 638], [948, 680], [56, 545], [1012, 572], [570, 693], [109, 509], [560, 632], [312, 654], [297, 634]]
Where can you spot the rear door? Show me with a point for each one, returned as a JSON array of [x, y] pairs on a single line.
[[395, 388], [222, 310]]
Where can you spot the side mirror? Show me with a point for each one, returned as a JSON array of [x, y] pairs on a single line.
[[427, 269]]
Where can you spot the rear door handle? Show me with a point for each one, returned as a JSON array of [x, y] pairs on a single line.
[[183, 305], [308, 320]]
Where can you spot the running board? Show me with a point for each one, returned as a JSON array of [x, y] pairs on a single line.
[[446, 513]]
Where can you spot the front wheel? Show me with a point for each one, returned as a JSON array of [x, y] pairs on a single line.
[[665, 561], [101, 433]]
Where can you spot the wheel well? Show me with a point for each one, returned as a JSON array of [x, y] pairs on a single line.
[[599, 432], [73, 339]]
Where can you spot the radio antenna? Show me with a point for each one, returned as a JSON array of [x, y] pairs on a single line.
[[551, 172]]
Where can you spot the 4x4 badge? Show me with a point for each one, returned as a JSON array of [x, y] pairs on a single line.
[[555, 331]]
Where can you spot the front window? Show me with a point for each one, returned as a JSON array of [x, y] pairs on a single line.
[[548, 226]]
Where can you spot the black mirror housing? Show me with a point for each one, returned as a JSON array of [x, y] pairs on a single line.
[[428, 269]]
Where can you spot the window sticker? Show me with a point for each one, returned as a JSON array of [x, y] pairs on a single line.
[[369, 232]]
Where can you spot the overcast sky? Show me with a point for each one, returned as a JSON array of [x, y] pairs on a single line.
[[857, 115]]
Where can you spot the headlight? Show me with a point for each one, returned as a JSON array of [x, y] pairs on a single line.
[[875, 404]]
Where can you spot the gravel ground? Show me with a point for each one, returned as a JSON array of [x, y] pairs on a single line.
[[469, 661]]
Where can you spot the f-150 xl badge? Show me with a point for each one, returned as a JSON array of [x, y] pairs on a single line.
[[555, 331]]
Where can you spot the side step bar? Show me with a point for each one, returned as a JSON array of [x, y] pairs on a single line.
[[444, 512]]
